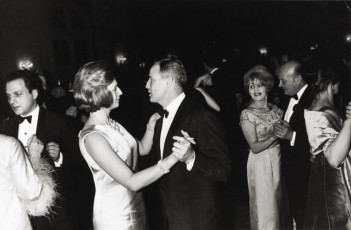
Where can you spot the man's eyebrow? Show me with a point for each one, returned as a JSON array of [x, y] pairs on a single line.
[[17, 91]]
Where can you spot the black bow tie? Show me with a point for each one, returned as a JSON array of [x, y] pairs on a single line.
[[21, 119], [163, 112], [295, 97]]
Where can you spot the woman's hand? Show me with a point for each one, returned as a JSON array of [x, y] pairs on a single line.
[[152, 121], [204, 79], [35, 147]]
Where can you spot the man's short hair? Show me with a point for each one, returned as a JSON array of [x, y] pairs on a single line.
[[260, 73], [90, 86], [31, 80], [173, 67]]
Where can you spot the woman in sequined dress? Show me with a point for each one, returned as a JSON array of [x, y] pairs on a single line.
[[263, 167], [112, 153]]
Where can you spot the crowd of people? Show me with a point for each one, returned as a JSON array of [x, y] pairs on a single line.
[[69, 157]]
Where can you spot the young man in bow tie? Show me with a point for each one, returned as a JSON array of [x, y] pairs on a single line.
[[294, 144], [60, 144], [189, 193]]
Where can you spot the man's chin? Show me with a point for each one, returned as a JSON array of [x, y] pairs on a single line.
[[17, 112]]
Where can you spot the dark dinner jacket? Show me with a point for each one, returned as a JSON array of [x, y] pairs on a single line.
[[299, 154], [53, 127], [189, 198], [296, 159]]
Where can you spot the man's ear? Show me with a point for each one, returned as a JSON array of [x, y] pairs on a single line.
[[169, 81], [298, 78], [35, 94]]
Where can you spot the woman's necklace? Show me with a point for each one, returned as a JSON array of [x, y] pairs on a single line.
[[263, 109], [115, 126], [110, 122]]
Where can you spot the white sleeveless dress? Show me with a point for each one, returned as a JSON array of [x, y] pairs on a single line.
[[115, 207]]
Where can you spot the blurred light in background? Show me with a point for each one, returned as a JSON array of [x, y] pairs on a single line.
[[121, 59], [314, 47], [263, 50], [142, 64], [25, 65], [348, 38]]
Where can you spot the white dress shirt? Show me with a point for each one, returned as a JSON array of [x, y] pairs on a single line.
[[172, 109], [290, 111], [26, 130]]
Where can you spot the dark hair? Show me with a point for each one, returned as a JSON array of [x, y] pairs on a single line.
[[260, 73], [90, 86], [31, 81], [174, 68], [325, 75]]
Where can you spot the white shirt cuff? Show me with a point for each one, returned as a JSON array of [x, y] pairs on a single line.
[[190, 164], [292, 142], [59, 162]]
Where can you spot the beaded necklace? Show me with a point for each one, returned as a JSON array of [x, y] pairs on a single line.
[[111, 123]]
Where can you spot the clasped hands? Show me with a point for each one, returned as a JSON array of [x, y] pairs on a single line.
[[182, 147], [36, 146], [282, 130]]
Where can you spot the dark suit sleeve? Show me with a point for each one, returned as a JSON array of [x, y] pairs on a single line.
[[212, 157], [69, 144]]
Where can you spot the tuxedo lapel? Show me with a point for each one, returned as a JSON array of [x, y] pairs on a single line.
[[157, 136], [13, 128], [40, 132], [181, 114], [303, 103]]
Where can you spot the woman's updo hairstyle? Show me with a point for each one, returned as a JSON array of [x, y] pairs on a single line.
[[321, 74], [90, 86]]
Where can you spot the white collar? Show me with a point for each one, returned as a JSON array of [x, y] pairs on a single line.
[[174, 105], [302, 90]]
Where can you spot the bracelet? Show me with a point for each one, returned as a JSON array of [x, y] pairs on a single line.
[[149, 127], [160, 165]]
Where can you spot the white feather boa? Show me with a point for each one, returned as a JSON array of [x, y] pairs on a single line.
[[42, 205]]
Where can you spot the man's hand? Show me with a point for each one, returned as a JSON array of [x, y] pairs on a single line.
[[282, 130], [182, 147], [35, 147], [53, 150], [72, 111]]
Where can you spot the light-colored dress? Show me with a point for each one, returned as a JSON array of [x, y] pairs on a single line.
[[329, 204], [264, 172], [26, 187], [115, 206]]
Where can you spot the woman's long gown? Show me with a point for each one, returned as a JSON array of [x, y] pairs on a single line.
[[115, 207], [264, 172], [328, 204]]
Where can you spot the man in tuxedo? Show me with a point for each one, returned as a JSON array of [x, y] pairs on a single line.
[[295, 147], [189, 193], [60, 146]]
